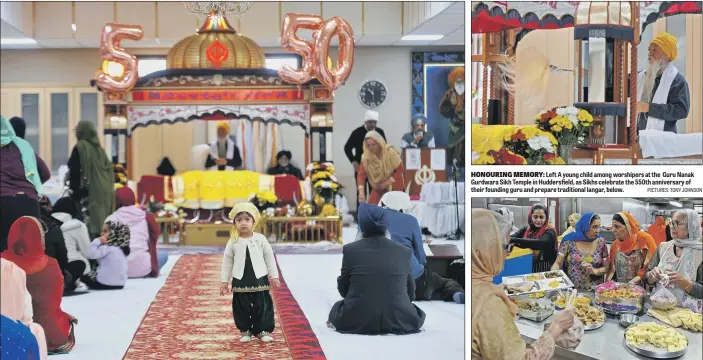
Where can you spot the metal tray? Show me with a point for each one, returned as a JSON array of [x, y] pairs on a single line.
[[537, 316], [535, 288], [651, 351], [594, 326]]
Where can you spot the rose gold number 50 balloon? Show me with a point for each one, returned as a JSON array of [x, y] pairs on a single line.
[[315, 55], [111, 50]]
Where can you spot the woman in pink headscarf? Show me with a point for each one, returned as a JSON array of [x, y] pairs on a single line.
[[143, 258], [16, 303]]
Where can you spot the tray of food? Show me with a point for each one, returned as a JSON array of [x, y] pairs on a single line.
[[591, 317], [679, 317], [559, 301], [522, 288], [555, 283], [616, 298], [513, 280], [655, 341], [533, 277], [535, 310]]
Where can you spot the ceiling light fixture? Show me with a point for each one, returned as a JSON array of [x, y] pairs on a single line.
[[421, 37], [22, 41], [675, 203]]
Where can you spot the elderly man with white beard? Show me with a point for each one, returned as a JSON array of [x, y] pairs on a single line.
[[662, 92]]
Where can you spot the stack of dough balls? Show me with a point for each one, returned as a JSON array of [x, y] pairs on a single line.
[[656, 335]]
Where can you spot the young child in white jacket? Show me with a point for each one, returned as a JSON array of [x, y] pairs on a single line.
[[247, 267]]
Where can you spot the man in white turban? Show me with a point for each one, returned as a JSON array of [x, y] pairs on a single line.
[[355, 144], [663, 97]]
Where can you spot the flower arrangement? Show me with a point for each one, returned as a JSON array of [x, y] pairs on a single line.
[[513, 145], [325, 185], [569, 125], [264, 200], [120, 175]]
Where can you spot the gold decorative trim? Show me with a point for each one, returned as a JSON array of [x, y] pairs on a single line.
[[249, 289]]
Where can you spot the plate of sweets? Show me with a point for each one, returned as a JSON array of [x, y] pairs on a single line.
[[559, 301], [618, 298], [656, 341]]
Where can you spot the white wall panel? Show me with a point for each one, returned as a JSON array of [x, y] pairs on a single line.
[[262, 22], [175, 23], [91, 18], [53, 20], [138, 13]]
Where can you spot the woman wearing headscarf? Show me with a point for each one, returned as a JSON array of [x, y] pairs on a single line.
[[382, 166], [21, 177], [573, 218], [143, 260], [16, 303], [494, 334], [284, 167], [631, 251], [658, 230], [586, 254], [44, 283], [91, 177], [110, 250], [75, 233], [376, 283], [680, 260], [540, 236]]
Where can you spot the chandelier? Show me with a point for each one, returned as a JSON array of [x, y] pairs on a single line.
[[226, 8]]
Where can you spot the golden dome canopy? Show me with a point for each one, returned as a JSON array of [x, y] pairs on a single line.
[[216, 46]]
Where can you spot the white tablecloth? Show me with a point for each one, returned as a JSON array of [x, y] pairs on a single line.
[[442, 193], [664, 144], [440, 220]]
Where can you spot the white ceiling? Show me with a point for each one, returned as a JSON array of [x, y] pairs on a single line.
[[374, 23]]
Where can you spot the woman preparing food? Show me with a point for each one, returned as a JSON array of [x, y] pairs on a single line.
[[586, 254], [539, 236], [680, 261], [494, 334], [631, 251]]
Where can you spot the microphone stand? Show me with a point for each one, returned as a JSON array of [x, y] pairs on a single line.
[[457, 235]]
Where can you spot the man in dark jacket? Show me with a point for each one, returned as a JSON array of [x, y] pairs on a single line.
[[376, 283], [355, 145], [405, 230]]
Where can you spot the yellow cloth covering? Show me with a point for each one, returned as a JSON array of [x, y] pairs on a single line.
[[240, 185], [212, 190], [186, 189]]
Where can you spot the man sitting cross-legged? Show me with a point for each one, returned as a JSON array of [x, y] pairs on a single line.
[[405, 230]]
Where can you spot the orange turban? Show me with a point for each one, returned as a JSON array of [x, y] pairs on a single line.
[[454, 75], [667, 43]]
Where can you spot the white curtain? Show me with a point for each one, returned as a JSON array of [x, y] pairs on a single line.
[[258, 143]]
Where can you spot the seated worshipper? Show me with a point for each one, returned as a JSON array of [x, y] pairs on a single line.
[[143, 260], [110, 250], [44, 283], [662, 91], [540, 236], [376, 283], [585, 252], [419, 137], [284, 167], [681, 261], [16, 303], [56, 247], [631, 251], [22, 174], [166, 168], [405, 230], [494, 334], [382, 166], [17, 341], [75, 233], [658, 230], [224, 154]]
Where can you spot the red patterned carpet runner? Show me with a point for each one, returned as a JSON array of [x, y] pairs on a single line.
[[190, 320]]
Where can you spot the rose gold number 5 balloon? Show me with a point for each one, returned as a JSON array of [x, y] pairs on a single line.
[[291, 42], [339, 27], [110, 50]]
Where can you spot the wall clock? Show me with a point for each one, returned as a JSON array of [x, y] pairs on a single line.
[[373, 94]]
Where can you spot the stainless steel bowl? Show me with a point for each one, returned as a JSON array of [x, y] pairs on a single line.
[[626, 320]]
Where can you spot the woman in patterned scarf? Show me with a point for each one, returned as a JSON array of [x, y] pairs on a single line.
[[540, 236], [110, 250], [382, 166], [44, 283]]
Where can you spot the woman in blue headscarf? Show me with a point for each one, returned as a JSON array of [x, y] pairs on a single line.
[[586, 254], [376, 282], [17, 341]]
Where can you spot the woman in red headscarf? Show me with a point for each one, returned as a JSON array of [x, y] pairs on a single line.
[[143, 258], [658, 230], [540, 236], [44, 282]]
